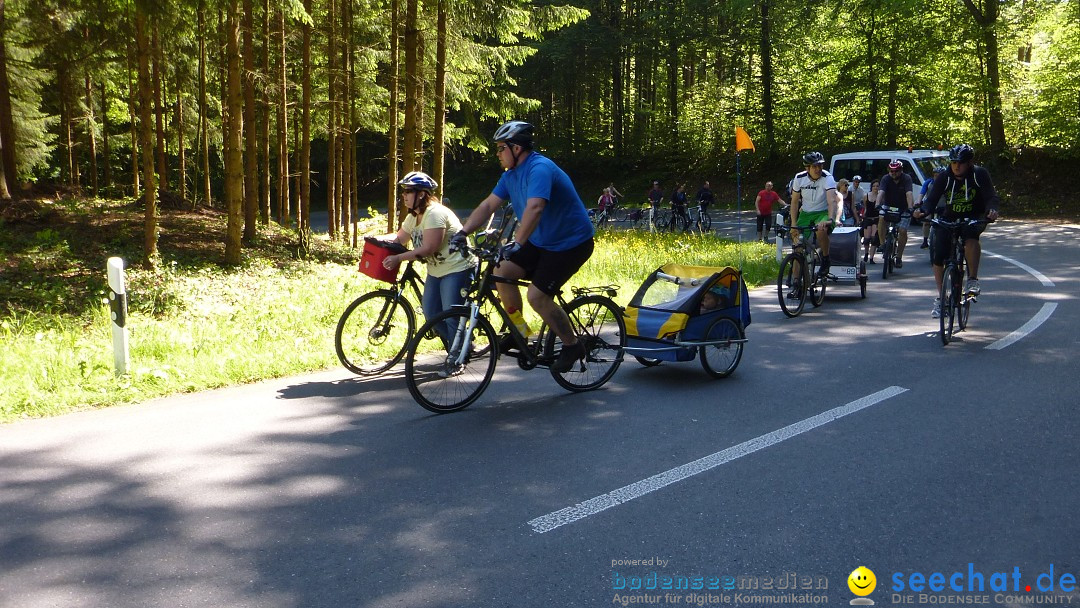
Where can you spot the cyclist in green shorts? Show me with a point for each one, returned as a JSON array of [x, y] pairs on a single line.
[[814, 201]]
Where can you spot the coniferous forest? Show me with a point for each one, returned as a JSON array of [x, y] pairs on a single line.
[[251, 105]]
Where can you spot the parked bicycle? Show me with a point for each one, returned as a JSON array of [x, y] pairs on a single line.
[[955, 301], [894, 221], [799, 277], [376, 328], [447, 377]]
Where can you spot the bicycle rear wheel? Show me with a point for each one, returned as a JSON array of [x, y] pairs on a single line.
[[621, 213], [374, 332], [441, 381], [789, 283], [963, 306], [817, 283], [948, 302], [719, 360], [599, 324]]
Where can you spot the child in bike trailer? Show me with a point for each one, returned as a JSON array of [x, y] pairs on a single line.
[[969, 194]]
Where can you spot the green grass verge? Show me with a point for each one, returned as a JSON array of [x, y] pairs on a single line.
[[200, 326]]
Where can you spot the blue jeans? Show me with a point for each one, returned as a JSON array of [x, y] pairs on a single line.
[[440, 293]]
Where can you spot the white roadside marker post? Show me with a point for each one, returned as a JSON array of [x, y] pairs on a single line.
[[118, 308]]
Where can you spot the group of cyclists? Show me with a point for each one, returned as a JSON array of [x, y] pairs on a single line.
[[963, 190], [554, 234], [679, 201]]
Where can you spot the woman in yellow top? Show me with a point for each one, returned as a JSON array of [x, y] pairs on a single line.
[[429, 227]]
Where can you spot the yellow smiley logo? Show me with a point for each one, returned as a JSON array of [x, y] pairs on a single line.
[[862, 581]]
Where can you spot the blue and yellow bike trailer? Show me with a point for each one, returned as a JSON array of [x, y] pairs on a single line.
[[681, 312]]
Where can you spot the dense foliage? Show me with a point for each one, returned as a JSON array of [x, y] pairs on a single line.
[[630, 83]]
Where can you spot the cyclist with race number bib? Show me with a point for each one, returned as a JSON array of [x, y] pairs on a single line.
[[968, 193], [554, 236], [814, 202]]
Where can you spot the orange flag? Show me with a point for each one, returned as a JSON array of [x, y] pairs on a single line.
[[742, 140]]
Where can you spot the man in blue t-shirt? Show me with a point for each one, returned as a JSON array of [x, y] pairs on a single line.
[[554, 236]]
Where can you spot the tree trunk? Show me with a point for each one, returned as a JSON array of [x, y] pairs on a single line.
[[5, 194], [251, 143], [347, 164], [7, 123], [987, 18], [617, 85], [264, 124], [105, 136], [418, 102], [439, 116], [146, 137], [392, 111], [204, 121], [412, 37], [90, 139], [179, 126], [71, 168], [159, 111], [331, 125], [283, 212], [133, 102], [234, 169], [304, 225]]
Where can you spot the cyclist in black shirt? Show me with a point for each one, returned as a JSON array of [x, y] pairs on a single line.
[[969, 194]]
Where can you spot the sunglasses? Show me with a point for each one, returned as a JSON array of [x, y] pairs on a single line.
[[409, 191], [500, 148]]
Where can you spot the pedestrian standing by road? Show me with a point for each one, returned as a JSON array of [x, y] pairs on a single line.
[[765, 204], [895, 191], [814, 202], [968, 193], [554, 236], [428, 227], [869, 224]]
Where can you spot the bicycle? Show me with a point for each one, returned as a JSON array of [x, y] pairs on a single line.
[[894, 221], [600, 218], [701, 220], [456, 372], [955, 301], [376, 328], [799, 275]]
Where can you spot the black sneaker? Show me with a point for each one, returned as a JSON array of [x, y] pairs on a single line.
[[899, 263], [925, 245], [794, 293], [507, 344], [569, 355]]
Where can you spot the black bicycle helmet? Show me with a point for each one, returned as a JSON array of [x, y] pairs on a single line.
[[515, 132], [962, 153], [813, 158]]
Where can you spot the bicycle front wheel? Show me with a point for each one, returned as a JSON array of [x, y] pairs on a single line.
[[374, 332], [948, 297], [719, 360], [439, 378], [887, 260], [599, 324], [790, 288], [706, 221]]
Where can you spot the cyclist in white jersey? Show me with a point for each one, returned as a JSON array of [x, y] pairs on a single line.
[[814, 201]]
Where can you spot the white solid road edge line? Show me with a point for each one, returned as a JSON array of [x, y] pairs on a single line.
[[1022, 266], [637, 489], [1025, 329]]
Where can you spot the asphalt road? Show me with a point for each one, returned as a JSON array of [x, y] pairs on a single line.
[[848, 436]]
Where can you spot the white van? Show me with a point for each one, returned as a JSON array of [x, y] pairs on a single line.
[[919, 164]]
